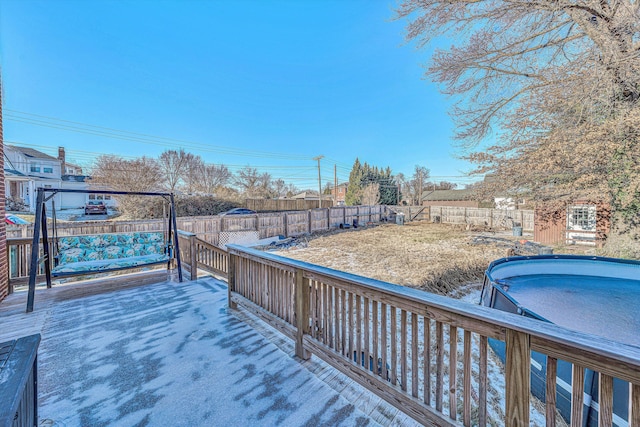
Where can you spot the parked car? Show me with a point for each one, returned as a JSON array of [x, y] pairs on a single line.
[[95, 207], [15, 220], [239, 211]]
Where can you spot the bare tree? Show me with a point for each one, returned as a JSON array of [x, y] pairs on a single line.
[[291, 190], [117, 174], [279, 188], [174, 166], [252, 183], [371, 194], [193, 174], [560, 79], [213, 178], [417, 184]]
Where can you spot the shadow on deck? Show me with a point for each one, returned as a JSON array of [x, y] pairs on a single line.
[[172, 353]]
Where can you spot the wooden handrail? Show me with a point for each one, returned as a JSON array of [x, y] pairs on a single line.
[[351, 321]]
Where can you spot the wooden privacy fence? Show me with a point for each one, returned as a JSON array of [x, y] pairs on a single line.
[[207, 229], [287, 224], [412, 213], [494, 218], [271, 205], [425, 354]]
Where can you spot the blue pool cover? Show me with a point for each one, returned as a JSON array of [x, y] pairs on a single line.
[[595, 295]]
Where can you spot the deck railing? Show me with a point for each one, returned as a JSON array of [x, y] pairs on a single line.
[[19, 258], [380, 335], [196, 253]]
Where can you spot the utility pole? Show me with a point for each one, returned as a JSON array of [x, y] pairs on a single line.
[[319, 182], [335, 184]]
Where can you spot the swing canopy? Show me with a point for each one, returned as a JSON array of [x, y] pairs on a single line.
[[99, 252]]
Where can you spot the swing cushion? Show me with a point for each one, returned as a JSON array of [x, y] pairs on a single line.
[[109, 251]]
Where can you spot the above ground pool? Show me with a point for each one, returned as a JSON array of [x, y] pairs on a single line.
[[595, 295]]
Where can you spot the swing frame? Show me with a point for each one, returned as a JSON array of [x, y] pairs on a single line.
[[40, 227]]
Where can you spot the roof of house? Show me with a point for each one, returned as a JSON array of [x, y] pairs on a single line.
[[464, 194], [13, 172], [30, 152], [75, 178], [307, 195]]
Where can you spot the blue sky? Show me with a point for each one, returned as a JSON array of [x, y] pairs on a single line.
[[270, 84]]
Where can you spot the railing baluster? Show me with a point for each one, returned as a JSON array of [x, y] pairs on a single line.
[[336, 321], [439, 366], [466, 388], [577, 395], [605, 401], [383, 336], [517, 378], [376, 354], [453, 377], [550, 394], [358, 358], [403, 350], [414, 354], [482, 382], [367, 327], [351, 324], [426, 367], [634, 405], [343, 309], [394, 346]]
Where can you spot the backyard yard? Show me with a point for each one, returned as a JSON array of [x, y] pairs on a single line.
[[439, 258]]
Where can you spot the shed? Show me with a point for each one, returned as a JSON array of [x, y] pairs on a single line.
[[581, 222]]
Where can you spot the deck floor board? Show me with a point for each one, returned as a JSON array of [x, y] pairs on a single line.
[[131, 352]]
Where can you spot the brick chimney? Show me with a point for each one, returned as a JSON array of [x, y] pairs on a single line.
[[63, 160]]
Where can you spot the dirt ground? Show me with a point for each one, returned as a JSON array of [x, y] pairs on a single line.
[[440, 258]]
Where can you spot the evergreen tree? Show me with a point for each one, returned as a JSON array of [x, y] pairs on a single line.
[[354, 190], [364, 175]]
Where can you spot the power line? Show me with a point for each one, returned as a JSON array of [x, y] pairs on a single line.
[[79, 127]]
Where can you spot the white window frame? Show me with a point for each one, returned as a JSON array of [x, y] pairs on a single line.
[[582, 218]]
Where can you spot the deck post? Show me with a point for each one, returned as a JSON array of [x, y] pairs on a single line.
[[33, 268], [517, 378], [302, 313], [231, 279], [193, 257]]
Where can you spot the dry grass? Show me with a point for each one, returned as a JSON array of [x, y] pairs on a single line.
[[434, 257]]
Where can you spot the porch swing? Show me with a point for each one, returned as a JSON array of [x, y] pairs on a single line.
[[102, 252]]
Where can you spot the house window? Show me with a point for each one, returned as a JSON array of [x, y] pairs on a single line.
[[582, 218], [107, 197], [34, 167], [92, 196], [47, 170]]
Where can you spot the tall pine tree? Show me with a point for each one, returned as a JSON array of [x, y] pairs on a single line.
[[363, 175]]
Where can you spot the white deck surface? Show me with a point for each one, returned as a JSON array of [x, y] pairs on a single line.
[[173, 354]]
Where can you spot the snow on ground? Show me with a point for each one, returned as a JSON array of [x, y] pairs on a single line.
[[171, 354]]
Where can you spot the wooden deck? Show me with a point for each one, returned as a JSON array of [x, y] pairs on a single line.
[[129, 352]]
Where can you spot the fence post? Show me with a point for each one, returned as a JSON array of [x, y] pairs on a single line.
[[302, 313], [328, 218], [517, 378], [193, 255], [231, 279], [286, 225], [309, 219]]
